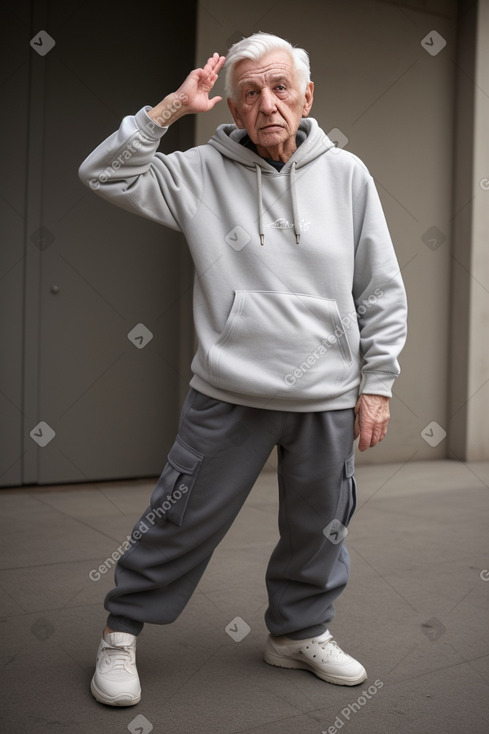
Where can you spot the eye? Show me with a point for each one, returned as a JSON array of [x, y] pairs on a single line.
[[280, 87], [251, 94]]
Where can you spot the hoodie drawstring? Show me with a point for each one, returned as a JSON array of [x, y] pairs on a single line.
[[295, 209], [294, 203], [260, 205]]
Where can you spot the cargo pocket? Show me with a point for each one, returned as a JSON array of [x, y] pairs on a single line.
[[348, 494], [172, 492]]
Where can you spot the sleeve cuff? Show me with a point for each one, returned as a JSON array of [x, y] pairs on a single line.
[[148, 126], [378, 383]]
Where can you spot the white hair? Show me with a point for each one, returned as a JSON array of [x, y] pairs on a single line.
[[256, 46]]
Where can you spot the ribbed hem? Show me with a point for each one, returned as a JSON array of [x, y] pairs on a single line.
[[340, 402], [148, 126], [124, 624], [378, 383]]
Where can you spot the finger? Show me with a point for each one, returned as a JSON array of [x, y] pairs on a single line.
[[214, 101], [220, 63], [365, 438], [374, 440], [378, 435], [207, 69], [214, 63], [209, 76]]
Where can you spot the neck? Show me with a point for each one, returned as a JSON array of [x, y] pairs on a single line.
[[281, 152]]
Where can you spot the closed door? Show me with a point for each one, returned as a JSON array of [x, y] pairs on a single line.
[[98, 299]]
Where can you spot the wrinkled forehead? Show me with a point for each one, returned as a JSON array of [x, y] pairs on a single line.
[[276, 64]]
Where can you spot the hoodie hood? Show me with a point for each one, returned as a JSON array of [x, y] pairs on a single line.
[[312, 142]]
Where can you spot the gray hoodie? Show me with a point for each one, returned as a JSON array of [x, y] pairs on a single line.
[[297, 289]]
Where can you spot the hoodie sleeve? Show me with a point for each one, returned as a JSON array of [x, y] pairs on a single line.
[[126, 170], [379, 294]]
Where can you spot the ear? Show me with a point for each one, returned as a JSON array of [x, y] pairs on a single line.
[[235, 113], [308, 99]]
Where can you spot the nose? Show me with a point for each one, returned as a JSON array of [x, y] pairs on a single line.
[[267, 101]]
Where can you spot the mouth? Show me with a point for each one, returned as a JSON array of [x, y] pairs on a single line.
[[270, 128]]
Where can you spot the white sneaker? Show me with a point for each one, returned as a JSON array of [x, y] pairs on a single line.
[[116, 681], [321, 655]]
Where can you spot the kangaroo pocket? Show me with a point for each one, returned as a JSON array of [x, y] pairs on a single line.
[[288, 343]]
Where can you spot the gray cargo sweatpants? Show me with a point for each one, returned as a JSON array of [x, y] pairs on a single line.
[[217, 456]]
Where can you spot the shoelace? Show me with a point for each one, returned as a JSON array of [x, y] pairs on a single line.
[[337, 651], [323, 644], [118, 656]]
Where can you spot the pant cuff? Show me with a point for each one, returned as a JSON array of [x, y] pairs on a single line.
[[124, 624], [308, 632]]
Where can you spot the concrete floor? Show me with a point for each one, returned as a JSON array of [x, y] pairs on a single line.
[[415, 613]]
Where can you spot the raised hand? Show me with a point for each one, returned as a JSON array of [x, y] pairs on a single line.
[[194, 92], [192, 96]]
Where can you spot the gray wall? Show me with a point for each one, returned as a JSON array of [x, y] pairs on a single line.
[[395, 103], [469, 355], [419, 121]]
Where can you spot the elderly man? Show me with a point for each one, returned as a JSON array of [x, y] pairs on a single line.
[[300, 315]]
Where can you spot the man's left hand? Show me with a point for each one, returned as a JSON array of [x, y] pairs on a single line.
[[372, 416]]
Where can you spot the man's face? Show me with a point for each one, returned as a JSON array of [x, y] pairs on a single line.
[[269, 103]]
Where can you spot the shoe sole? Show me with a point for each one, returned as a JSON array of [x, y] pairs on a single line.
[[122, 699], [280, 662]]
